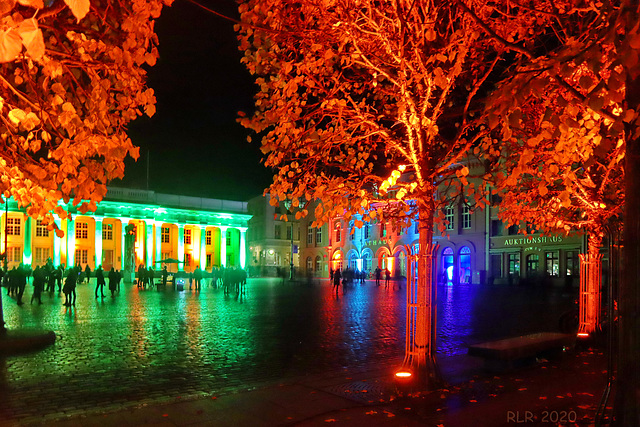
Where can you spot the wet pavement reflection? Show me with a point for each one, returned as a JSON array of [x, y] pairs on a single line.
[[148, 345]]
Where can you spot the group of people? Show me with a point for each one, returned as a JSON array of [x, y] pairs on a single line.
[[348, 276], [47, 278]]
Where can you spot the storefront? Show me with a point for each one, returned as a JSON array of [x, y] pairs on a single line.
[[535, 259]]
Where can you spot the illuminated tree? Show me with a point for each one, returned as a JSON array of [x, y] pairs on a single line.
[[72, 78], [561, 171], [369, 107], [587, 53]]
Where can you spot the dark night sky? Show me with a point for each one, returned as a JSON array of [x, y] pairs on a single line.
[[194, 144]]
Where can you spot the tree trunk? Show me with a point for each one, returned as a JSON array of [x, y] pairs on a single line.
[[420, 356], [627, 402], [590, 287]]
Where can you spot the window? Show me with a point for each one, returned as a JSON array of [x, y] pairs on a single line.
[[164, 235], [15, 254], [82, 256], [466, 216], [309, 264], [573, 265], [290, 232], [366, 231], [208, 237], [42, 254], [107, 231], [318, 263], [228, 237], [383, 229], [82, 230], [13, 226], [553, 263], [512, 230], [532, 265], [514, 264], [310, 231], [209, 259], [367, 259], [416, 225], [318, 235], [187, 259], [187, 236], [338, 230], [41, 229], [165, 255], [276, 232], [449, 216], [496, 227]]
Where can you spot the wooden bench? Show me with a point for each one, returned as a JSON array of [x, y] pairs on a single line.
[[520, 351]]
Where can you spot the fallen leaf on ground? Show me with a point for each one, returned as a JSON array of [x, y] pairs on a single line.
[[330, 420], [542, 397], [371, 412], [522, 389], [472, 400]]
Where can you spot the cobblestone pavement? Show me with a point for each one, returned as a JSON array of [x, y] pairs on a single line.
[[146, 346]]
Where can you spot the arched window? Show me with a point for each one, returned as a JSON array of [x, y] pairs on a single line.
[[465, 265], [402, 264], [318, 264], [353, 261], [447, 266], [338, 232], [309, 264], [366, 261]]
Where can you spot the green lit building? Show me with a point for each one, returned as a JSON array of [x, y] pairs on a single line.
[[132, 227]]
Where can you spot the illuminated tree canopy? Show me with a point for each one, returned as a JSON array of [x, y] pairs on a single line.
[[72, 79], [561, 115], [353, 97]]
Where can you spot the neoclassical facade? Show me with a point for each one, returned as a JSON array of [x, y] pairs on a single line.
[[133, 227]]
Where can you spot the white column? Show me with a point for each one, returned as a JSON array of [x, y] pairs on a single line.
[[181, 244], [57, 242], [223, 245], [203, 247], [148, 232], [27, 251], [123, 259], [71, 241], [243, 245], [98, 242], [158, 225]]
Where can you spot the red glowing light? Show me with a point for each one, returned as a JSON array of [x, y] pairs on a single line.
[[403, 374]]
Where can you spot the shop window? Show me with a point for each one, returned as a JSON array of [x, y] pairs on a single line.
[[533, 262], [514, 264], [552, 263], [573, 263], [465, 265], [447, 265]]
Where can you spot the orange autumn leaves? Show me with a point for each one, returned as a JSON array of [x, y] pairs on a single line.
[[72, 79]]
